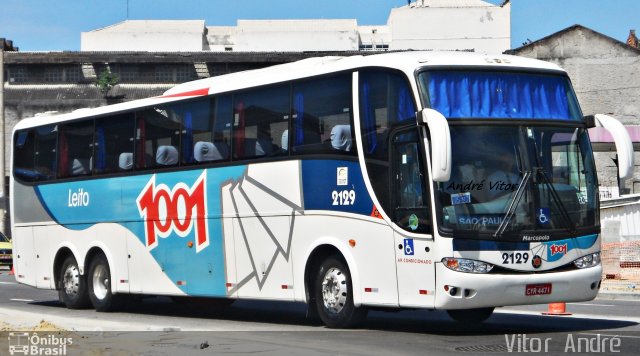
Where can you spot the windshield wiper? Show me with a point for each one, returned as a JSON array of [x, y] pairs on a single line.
[[554, 193], [513, 204]]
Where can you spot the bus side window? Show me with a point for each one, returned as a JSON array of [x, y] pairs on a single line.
[[114, 143], [211, 132], [261, 117], [157, 138], [411, 208], [322, 116], [75, 149], [24, 156], [385, 103]]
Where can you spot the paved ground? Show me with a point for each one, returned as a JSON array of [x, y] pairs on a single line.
[[158, 326]]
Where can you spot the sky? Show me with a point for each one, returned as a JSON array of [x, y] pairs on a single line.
[[55, 25]]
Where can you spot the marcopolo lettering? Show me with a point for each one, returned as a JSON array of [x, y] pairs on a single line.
[[176, 210]]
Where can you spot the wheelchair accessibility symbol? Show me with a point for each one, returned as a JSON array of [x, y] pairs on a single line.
[[544, 216], [408, 247]]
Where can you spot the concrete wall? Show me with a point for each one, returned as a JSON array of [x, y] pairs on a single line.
[[605, 73], [144, 35], [296, 35], [606, 77], [451, 25], [423, 25]]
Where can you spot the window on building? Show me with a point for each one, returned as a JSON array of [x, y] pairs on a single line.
[[127, 72], [72, 74], [18, 74], [164, 74], [53, 74], [184, 73], [175, 73]]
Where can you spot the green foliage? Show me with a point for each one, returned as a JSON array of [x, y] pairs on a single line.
[[106, 81]]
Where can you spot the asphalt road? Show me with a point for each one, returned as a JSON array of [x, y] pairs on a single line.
[[157, 326]]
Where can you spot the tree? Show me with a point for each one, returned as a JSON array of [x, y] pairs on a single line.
[[106, 81]]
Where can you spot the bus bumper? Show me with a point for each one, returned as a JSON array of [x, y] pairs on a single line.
[[493, 290]]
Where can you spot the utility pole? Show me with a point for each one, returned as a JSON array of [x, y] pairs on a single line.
[[3, 191]]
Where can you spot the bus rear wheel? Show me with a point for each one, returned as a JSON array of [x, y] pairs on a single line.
[[334, 296], [72, 285], [471, 315], [100, 294]]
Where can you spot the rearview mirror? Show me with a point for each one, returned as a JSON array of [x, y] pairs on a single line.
[[440, 144], [624, 145]]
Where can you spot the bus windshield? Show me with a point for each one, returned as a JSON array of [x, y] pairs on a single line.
[[519, 182]]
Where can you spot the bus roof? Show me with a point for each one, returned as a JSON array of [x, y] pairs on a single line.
[[407, 62]]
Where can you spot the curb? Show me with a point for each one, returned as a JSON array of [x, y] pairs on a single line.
[[632, 296]]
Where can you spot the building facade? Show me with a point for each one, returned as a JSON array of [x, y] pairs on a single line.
[[453, 25], [606, 76]]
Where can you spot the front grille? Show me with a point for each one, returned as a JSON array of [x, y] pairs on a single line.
[[563, 268]]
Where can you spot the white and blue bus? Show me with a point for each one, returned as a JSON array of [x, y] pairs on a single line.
[[451, 181]]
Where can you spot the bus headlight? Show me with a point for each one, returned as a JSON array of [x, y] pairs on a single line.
[[590, 260], [466, 265]]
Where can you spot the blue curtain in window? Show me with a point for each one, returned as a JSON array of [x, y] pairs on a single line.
[[486, 95], [405, 105], [101, 155], [187, 139], [368, 119], [298, 106]]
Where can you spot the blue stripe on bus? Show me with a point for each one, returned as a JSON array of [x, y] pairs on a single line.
[[555, 249], [324, 188]]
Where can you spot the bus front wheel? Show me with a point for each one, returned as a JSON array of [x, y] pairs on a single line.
[[470, 315], [334, 295], [102, 299], [72, 285]]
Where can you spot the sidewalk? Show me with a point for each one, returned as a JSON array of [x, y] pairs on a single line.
[[619, 289]]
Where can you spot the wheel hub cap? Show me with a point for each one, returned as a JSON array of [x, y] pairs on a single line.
[[334, 290], [71, 280], [100, 280]]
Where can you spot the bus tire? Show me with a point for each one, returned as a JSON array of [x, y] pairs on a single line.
[[99, 278], [471, 315], [72, 289], [334, 296]]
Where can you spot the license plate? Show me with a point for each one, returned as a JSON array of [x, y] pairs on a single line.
[[538, 289]]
